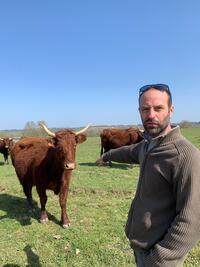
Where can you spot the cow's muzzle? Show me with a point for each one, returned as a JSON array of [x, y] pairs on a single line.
[[70, 166]]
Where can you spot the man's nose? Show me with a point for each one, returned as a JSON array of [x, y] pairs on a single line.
[[152, 113]]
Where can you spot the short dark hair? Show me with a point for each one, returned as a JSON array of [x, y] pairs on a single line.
[[159, 86]]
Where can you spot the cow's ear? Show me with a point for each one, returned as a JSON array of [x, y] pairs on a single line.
[[80, 138], [51, 142]]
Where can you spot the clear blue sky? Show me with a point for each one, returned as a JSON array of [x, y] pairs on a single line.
[[74, 62]]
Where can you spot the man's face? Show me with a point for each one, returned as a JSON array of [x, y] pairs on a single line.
[[155, 112]]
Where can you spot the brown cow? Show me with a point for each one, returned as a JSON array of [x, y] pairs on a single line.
[[5, 146], [47, 164], [112, 138]]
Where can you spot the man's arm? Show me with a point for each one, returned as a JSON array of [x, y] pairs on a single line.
[[125, 154]]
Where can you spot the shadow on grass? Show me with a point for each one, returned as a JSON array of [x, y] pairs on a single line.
[[32, 259], [11, 265], [17, 208], [113, 165], [2, 163], [90, 164]]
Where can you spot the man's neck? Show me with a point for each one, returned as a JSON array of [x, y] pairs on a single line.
[[164, 132]]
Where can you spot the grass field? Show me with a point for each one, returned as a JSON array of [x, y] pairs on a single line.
[[98, 203]]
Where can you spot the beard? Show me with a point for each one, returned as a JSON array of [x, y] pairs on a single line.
[[154, 127]]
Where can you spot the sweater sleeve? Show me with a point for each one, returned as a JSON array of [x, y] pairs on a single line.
[[184, 232], [125, 154]]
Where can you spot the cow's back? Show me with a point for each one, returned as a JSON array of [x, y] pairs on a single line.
[[112, 138], [27, 155]]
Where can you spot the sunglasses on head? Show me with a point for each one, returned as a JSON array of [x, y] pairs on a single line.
[[158, 86]]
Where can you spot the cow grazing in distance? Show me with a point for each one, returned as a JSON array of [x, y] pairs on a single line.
[[112, 138], [47, 163], [5, 146]]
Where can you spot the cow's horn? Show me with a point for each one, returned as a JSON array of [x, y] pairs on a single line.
[[83, 130], [140, 129], [47, 130]]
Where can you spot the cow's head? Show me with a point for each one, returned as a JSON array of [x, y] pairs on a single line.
[[65, 142], [6, 143]]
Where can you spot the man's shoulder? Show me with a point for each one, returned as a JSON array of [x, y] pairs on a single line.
[[186, 148]]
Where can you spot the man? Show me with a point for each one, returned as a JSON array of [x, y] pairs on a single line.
[[164, 219]]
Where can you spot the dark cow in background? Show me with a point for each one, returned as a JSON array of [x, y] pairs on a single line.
[[47, 163], [112, 138], [5, 146]]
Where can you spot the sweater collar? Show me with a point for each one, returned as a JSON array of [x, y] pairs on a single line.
[[172, 135]]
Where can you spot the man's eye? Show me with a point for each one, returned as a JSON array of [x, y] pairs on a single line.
[[145, 109], [158, 108]]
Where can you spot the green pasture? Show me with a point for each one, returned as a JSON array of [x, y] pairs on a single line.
[[98, 203]]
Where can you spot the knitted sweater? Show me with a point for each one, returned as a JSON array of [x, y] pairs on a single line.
[[164, 218]]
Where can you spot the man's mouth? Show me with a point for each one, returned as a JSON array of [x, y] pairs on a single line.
[[151, 124]]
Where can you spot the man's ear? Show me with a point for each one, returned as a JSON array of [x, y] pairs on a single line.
[[171, 110]]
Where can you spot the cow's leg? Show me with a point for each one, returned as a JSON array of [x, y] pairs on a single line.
[[5, 158], [28, 193], [101, 153], [63, 200], [43, 201]]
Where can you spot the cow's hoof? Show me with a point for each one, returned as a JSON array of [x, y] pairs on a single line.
[[43, 221], [66, 225]]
